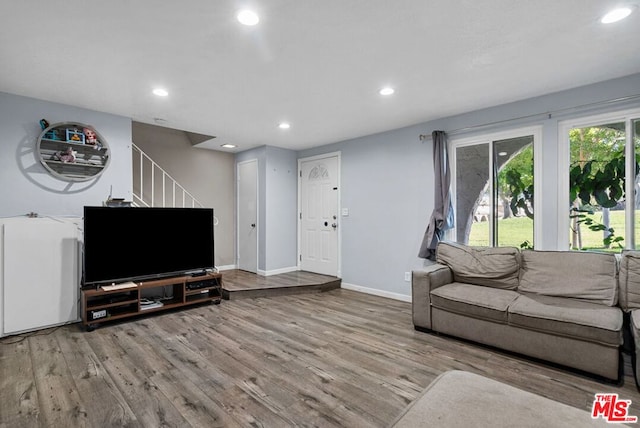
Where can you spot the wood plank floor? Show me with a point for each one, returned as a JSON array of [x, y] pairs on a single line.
[[239, 284], [333, 359]]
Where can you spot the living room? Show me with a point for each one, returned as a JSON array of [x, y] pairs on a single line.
[[386, 188]]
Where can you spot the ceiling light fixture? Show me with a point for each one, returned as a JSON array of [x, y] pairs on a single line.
[[248, 17], [284, 125], [387, 91], [616, 15], [160, 92], [228, 146], [502, 153]]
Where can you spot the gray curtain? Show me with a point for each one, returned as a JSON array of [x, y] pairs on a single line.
[[442, 216]]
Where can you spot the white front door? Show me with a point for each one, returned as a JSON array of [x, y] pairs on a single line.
[[318, 214], [248, 216]]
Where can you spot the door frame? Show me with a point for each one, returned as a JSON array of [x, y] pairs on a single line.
[[238, 212], [564, 126], [338, 156], [489, 138]]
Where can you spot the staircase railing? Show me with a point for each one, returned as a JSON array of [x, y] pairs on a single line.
[[154, 187]]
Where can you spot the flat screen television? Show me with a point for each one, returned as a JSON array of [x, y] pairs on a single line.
[[129, 244]]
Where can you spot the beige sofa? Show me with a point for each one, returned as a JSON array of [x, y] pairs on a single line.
[[462, 399], [629, 301], [559, 306]]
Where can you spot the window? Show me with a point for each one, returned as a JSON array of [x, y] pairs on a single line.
[[601, 182], [494, 189]]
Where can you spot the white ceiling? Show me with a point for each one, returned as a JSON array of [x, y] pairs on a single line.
[[316, 64]]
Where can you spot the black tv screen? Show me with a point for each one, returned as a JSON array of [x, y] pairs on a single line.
[[129, 244]]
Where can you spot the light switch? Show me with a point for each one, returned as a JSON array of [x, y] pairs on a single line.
[[345, 212]]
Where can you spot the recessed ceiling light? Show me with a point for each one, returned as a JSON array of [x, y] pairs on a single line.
[[616, 15], [387, 91], [160, 92], [284, 125], [502, 153], [228, 146], [248, 17]]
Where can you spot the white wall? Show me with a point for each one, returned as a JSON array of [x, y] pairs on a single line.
[[26, 186], [387, 180]]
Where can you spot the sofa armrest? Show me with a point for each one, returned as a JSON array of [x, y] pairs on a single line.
[[422, 282]]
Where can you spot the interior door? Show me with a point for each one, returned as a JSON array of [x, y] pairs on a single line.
[[318, 216], [248, 216]]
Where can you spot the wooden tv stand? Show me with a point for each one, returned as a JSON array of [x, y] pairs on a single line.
[[132, 299]]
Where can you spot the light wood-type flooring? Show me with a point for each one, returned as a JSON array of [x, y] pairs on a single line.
[[239, 284], [330, 359]]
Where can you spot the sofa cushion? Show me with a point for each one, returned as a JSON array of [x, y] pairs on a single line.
[[493, 267], [579, 275], [463, 399], [634, 322], [475, 301], [568, 317], [629, 280]]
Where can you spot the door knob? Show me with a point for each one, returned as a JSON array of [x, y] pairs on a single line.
[[253, 225]]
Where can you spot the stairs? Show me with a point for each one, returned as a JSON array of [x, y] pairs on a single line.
[[154, 187]]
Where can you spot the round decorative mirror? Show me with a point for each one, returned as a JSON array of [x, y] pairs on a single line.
[[72, 151]]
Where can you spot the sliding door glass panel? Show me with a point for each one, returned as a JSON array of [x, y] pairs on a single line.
[[597, 187], [513, 192], [473, 198]]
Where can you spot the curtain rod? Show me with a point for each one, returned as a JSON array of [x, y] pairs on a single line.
[[546, 115]]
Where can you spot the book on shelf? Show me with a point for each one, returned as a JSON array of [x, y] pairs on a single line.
[[144, 307], [121, 286]]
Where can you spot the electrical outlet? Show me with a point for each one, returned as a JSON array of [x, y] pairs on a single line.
[[407, 276], [94, 315]]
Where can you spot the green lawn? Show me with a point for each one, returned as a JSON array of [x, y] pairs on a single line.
[[511, 232], [514, 231]]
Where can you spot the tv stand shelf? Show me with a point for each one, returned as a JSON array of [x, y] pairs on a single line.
[[99, 305]]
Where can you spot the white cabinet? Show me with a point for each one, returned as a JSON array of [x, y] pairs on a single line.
[[39, 273]]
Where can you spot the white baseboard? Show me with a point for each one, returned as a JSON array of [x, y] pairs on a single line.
[[376, 292], [262, 272], [277, 271]]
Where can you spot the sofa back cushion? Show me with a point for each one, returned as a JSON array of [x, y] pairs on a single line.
[[492, 267], [576, 274], [629, 280]]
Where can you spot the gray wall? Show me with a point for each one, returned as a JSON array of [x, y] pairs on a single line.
[[386, 184], [207, 174], [281, 208], [26, 186], [260, 155], [277, 207], [387, 180]]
